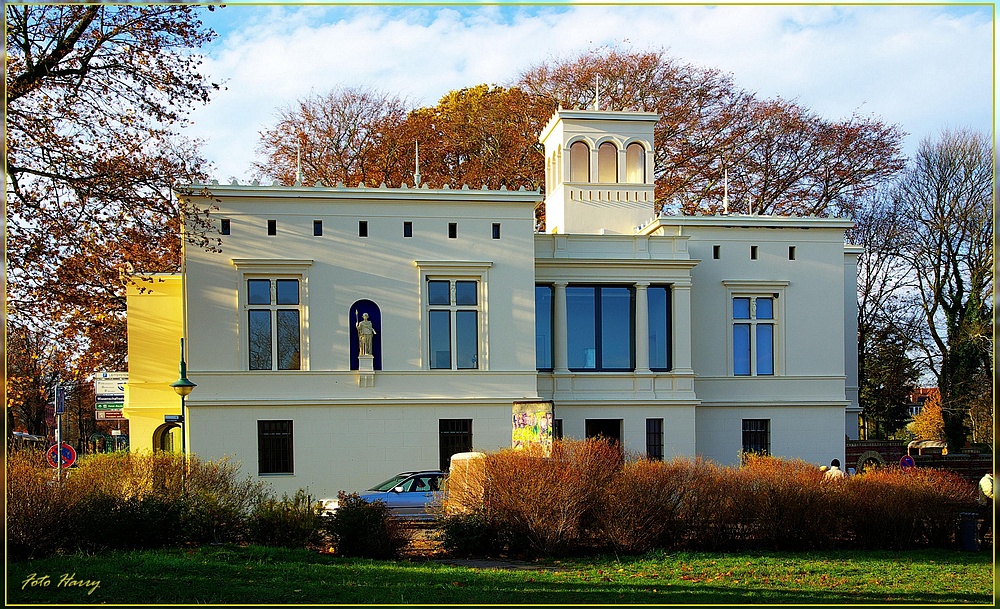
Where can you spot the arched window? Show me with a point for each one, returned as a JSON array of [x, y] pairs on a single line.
[[607, 163], [635, 164], [579, 162]]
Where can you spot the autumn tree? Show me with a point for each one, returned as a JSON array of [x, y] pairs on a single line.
[[346, 136], [945, 201], [482, 136], [95, 94], [928, 424]]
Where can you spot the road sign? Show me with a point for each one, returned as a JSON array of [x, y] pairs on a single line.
[[67, 452], [122, 376], [906, 462], [60, 400], [173, 418], [108, 415], [112, 387]]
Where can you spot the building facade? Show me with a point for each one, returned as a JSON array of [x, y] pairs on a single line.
[[345, 334]]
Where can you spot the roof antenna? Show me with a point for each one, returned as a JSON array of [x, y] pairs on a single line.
[[725, 191], [416, 164], [298, 166]]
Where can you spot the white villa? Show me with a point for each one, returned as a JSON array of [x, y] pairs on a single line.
[[676, 335]]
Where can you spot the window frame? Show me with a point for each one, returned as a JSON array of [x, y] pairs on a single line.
[[551, 318], [598, 326], [654, 438], [607, 163], [455, 271], [774, 290], [462, 437], [268, 444], [747, 447], [272, 270], [635, 166], [579, 160], [669, 328]]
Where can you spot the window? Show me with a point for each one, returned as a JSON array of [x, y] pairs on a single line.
[[362, 228], [635, 164], [272, 227], [609, 429], [757, 436], [654, 439], [273, 324], [557, 429], [496, 230], [791, 252], [224, 226], [452, 230], [407, 229], [274, 447], [600, 328], [716, 251], [317, 228], [543, 327], [658, 298], [579, 162], [753, 335], [453, 323], [454, 436], [607, 163], [753, 252]]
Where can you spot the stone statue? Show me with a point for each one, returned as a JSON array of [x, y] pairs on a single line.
[[365, 333]]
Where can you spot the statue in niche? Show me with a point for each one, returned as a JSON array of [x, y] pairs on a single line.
[[365, 333]]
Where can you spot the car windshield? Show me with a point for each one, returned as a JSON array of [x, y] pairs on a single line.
[[389, 484]]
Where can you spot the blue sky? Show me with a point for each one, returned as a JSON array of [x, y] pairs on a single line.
[[924, 68]]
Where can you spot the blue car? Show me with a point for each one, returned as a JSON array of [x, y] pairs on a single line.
[[409, 495]]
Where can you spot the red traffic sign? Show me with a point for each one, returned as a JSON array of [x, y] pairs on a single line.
[[67, 453], [906, 462]]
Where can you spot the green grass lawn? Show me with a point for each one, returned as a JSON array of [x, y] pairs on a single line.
[[255, 575]]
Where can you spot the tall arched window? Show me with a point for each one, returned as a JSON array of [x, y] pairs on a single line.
[[635, 164], [579, 162], [607, 163]]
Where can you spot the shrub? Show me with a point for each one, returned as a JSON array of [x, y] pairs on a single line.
[[892, 508], [36, 507], [124, 500], [99, 521], [470, 534], [290, 523], [641, 509], [783, 504], [547, 505], [363, 529]]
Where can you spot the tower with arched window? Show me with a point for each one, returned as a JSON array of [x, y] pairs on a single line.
[[598, 171]]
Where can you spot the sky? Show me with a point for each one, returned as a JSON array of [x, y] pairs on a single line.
[[924, 68]]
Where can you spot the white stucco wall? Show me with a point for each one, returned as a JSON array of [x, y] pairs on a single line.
[[348, 447]]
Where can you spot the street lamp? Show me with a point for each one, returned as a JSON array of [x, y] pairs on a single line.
[[183, 387]]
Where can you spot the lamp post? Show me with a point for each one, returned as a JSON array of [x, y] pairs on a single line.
[[183, 387]]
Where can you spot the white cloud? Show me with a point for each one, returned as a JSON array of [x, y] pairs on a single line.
[[924, 67]]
